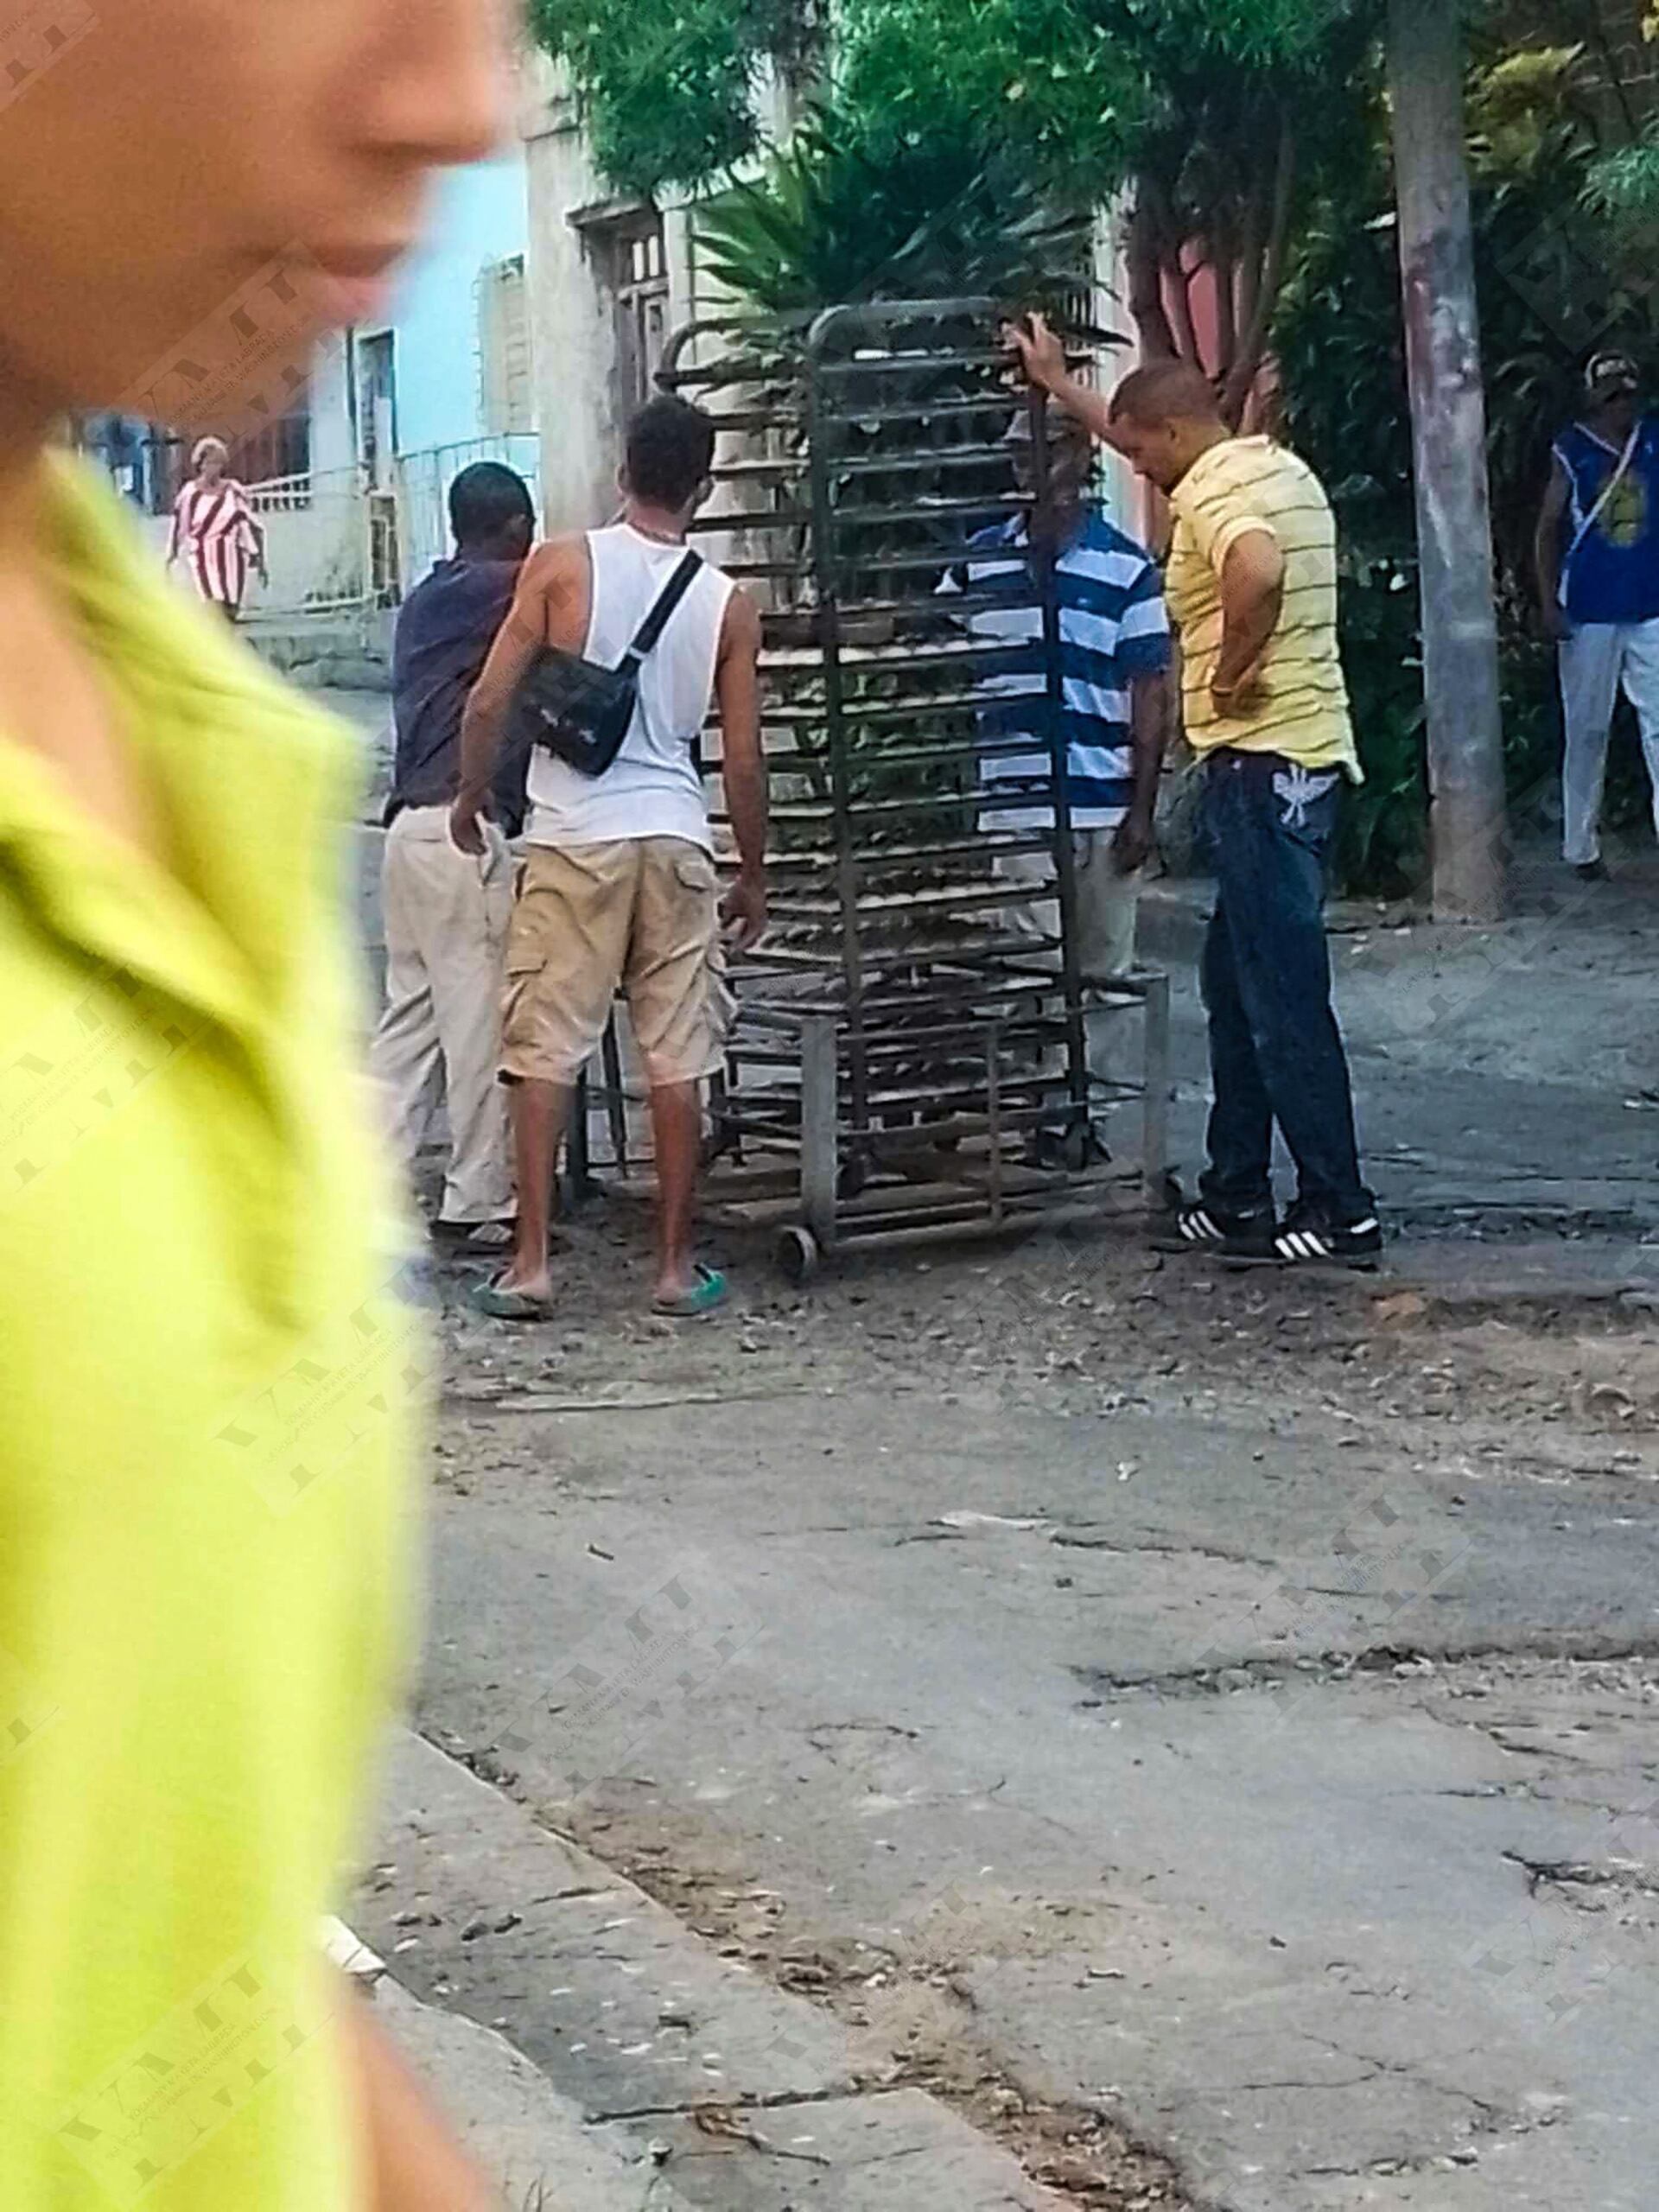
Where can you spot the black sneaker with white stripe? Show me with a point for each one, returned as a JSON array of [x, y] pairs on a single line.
[[1308, 1236], [1202, 1228]]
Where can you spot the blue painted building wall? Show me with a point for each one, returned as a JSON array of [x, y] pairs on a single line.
[[480, 216]]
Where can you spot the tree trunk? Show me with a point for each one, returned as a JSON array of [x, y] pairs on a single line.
[[1144, 260], [1177, 279], [1225, 257], [1250, 252], [1448, 410], [1269, 281]]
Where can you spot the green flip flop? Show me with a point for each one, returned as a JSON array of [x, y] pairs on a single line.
[[498, 1304], [710, 1290]]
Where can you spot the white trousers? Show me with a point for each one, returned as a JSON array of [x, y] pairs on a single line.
[[446, 923], [1596, 660], [1107, 903]]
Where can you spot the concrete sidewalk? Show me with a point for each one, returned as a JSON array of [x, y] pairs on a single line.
[[648, 2071]]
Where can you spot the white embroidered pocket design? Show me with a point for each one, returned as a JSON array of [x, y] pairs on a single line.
[[1300, 789]]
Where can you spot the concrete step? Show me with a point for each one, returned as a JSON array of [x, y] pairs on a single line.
[[585, 2039], [319, 651]]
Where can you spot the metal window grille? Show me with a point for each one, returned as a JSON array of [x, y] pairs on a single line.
[[506, 365], [638, 280]]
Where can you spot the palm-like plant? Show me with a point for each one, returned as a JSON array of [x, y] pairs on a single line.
[[836, 219]]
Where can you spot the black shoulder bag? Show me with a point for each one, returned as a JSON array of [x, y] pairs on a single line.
[[581, 712]]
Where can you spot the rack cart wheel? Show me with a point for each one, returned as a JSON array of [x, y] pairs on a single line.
[[798, 1254]]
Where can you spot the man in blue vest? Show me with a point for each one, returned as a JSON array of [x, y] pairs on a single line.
[[1597, 553]]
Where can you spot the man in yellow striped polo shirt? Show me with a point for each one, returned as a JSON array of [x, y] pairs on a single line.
[[1252, 587]]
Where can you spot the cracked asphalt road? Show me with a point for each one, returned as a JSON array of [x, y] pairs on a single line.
[[1244, 1754]]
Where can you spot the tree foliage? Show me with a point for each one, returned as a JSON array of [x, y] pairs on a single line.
[[1207, 118], [1623, 189], [1202, 115], [668, 89]]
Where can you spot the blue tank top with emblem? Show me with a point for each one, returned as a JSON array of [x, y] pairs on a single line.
[[1613, 575]]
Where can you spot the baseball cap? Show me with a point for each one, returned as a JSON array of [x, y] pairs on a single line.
[[1605, 374]]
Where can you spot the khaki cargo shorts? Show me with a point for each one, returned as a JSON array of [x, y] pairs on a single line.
[[640, 914]]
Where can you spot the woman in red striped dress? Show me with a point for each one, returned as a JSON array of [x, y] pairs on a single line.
[[215, 530]]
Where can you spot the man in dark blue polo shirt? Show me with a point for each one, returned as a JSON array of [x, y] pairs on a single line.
[[446, 912]]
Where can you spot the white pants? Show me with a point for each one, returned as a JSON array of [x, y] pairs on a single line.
[[446, 922], [1595, 660], [1107, 903]]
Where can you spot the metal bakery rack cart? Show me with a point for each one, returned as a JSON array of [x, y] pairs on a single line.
[[907, 1065]]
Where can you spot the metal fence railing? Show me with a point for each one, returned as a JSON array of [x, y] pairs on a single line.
[[422, 491], [318, 544]]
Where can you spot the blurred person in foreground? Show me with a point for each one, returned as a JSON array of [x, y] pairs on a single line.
[[446, 911], [215, 531], [1598, 558], [210, 1385], [1115, 656], [618, 888], [1252, 585]]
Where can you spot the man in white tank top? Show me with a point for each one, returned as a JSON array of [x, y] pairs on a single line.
[[618, 887]]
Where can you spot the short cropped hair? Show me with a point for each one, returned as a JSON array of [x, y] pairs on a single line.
[[669, 452], [1060, 427], [1167, 391], [486, 499]]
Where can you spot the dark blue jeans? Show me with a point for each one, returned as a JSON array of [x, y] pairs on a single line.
[[1276, 1052]]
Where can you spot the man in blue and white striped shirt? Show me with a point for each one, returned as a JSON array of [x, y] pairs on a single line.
[[1116, 659]]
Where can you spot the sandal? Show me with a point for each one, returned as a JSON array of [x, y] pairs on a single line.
[[498, 1304], [710, 1290]]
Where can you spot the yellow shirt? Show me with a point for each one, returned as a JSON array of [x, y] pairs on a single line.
[[206, 1384], [1299, 704]]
